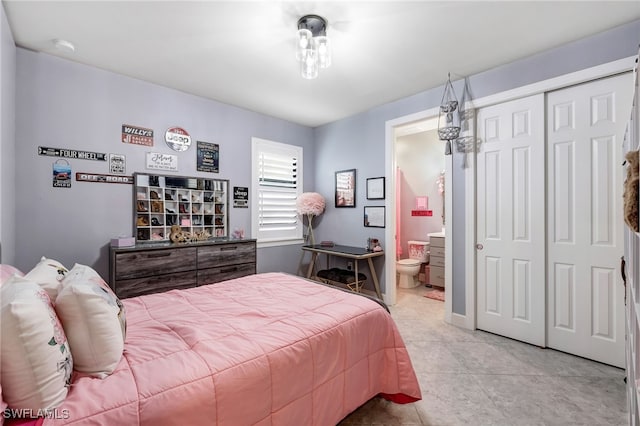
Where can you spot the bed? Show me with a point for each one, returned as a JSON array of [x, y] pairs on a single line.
[[265, 349]]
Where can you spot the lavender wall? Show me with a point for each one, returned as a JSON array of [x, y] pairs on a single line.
[[7, 141], [359, 141], [68, 105]]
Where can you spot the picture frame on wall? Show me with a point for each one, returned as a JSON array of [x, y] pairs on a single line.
[[374, 216], [375, 188], [345, 185]]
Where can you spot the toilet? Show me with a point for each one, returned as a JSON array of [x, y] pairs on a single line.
[[409, 268]]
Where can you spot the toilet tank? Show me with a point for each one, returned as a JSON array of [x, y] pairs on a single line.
[[419, 250]]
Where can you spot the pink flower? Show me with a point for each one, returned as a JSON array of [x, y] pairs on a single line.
[[310, 203]]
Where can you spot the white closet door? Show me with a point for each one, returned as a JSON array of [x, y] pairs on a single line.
[[585, 129], [511, 220]]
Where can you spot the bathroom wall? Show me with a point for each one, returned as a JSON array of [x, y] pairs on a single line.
[[420, 156]]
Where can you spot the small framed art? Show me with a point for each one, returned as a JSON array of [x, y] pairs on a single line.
[[375, 188], [374, 216], [346, 188]]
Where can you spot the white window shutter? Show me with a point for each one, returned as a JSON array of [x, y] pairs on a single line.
[[277, 171]]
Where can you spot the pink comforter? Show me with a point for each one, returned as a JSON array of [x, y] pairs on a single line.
[[267, 349]]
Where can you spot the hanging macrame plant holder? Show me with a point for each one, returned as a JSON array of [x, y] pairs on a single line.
[[448, 122]]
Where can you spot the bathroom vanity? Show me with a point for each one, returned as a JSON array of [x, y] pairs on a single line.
[[436, 263]]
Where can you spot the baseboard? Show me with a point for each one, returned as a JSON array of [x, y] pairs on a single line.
[[461, 321]]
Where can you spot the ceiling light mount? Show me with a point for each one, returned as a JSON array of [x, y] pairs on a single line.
[[63, 45], [313, 47]]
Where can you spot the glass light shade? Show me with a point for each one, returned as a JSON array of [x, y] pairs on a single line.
[[303, 42], [309, 65], [323, 45]]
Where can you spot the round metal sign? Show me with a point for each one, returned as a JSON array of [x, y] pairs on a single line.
[[177, 138]]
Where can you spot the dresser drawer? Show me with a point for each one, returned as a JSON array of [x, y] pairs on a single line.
[[226, 254], [156, 284], [436, 261], [216, 275], [436, 276], [154, 262], [436, 241], [437, 251]]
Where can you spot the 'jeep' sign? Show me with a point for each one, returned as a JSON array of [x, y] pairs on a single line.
[[177, 138]]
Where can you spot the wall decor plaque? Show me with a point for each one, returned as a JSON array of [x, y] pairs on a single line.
[[159, 161], [137, 135], [117, 164], [61, 174], [72, 153], [208, 157], [240, 196], [101, 178], [177, 139]]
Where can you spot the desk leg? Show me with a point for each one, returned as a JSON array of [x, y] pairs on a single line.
[[357, 283], [376, 284], [314, 256]]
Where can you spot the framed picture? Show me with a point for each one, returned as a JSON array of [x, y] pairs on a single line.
[[374, 216], [375, 188], [346, 188]]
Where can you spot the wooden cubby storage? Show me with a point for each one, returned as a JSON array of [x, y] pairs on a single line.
[[196, 204]]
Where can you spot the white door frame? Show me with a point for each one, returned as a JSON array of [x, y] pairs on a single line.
[[467, 320]]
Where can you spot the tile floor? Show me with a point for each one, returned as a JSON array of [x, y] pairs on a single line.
[[476, 378]]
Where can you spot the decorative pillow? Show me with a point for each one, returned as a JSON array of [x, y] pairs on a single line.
[[35, 361], [94, 320], [48, 273], [7, 271]]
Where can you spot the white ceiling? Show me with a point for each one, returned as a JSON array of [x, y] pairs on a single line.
[[242, 53]]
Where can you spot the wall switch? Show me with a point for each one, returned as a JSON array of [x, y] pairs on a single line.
[[349, 266]]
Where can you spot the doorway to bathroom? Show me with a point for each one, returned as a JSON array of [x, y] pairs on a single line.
[[418, 174]]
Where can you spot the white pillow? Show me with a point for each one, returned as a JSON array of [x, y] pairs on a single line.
[[35, 360], [48, 273], [94, 320]]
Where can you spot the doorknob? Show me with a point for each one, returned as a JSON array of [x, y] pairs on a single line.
[[479, 246]]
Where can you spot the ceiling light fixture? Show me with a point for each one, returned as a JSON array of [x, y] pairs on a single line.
[[313, 48]]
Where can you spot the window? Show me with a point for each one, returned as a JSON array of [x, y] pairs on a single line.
[[276, 183]]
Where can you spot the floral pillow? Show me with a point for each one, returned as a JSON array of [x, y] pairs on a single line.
[[94, 320], [7, 271], [35, 360], [48, 273]]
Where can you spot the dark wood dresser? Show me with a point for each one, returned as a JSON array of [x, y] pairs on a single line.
[[154, 268]]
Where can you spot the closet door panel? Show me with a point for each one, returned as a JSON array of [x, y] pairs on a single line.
[[584, 174], [510, 228]]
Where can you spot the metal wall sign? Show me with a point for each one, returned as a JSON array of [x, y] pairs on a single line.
[[72, 153], [61, 174], [137, 135], [101, 178], [240, 196], [159, 161], [117, 163], [177, 139], [208, 157]]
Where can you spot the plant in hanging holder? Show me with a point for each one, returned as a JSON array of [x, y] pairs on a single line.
[[448, 122], [310, 204]]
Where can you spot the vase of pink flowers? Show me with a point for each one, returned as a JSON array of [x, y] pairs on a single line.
[[310, 204]]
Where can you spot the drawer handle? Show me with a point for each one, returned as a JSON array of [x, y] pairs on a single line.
[[165, 254], [224, 271], [228, 248]]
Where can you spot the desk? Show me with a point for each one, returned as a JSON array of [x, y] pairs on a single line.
[[348, 252]]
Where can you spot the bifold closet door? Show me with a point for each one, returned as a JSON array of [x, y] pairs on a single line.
[[510, 229], [585, 129]]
